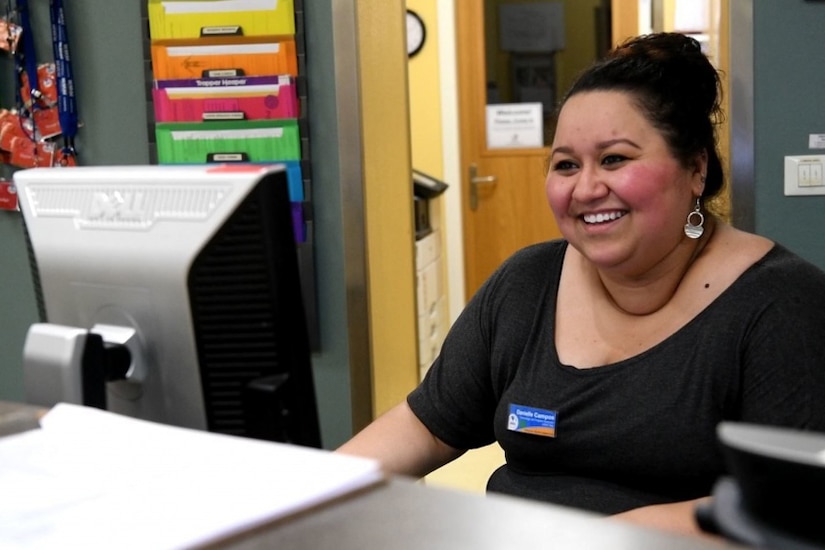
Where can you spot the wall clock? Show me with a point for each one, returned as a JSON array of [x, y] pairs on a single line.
[[416, 33]]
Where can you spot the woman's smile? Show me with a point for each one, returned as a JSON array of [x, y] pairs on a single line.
[[602, 217]]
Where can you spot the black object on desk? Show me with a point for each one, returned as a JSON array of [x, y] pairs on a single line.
[[772, 500]]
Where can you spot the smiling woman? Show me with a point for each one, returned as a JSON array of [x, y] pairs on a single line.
[[632, 338]]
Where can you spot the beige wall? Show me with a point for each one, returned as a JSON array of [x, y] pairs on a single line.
[[425, 95], [434, 134], [434, 141], [388, 201]]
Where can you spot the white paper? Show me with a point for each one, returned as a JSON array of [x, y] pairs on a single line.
[[218, 6], [515, 125], [224, 49], [691, 17], [92, 479], [223, 91], [245, 133], [816, 141]]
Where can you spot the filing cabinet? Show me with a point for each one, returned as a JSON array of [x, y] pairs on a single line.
[[431, 299]]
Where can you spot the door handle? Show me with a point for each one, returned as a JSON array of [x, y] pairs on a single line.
[[475, 181]]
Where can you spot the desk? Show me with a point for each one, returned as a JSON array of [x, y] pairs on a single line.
[[404, 514]]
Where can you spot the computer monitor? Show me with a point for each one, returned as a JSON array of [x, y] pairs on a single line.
[[171, 294]]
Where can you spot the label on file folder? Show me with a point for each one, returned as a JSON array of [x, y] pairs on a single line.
[[229, 30], [222, 73], [224, 115], [227, 157]]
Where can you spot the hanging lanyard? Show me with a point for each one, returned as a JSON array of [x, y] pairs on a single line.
[[29, 57], [66, 104], [25, 64]]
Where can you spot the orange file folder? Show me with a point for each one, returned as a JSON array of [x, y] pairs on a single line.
[[217, 57]]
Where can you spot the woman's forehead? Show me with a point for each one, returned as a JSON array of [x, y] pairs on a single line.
[[601, 115]]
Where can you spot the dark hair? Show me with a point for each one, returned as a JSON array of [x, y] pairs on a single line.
[[676, 87]]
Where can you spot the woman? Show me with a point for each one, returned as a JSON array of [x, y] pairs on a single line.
[[602, 363]]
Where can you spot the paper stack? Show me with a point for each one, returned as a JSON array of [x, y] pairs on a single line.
[[93, 479]]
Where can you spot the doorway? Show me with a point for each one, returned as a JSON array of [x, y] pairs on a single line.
[[515, 60]]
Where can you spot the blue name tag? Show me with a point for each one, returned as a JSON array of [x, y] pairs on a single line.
[[531, 420]]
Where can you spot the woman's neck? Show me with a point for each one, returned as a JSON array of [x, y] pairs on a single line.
[[648, 294]]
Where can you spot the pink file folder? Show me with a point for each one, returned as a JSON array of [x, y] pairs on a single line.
[[225, 98]]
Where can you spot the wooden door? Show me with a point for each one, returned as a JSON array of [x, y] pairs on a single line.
[[507, 208]]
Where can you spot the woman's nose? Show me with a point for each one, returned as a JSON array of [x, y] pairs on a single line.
[[589, 185]]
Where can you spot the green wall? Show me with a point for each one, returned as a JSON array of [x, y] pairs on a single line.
[[111, 95], [111, 86], [789, 104]]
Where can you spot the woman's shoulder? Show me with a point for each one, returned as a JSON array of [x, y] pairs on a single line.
[[767, 262], [740, 246], [531, 267], [535, 260], [782, 265], [730, 254], [542, 252]]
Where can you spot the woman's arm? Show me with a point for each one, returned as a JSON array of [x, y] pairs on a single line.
[[677, 517], [401, 443]]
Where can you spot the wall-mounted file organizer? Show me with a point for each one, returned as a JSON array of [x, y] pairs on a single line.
[[182, 19], [226, 83]]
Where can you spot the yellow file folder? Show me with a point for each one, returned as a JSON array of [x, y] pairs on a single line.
[[181, 19]]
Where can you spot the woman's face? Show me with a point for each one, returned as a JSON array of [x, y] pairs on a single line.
[[618, 193]]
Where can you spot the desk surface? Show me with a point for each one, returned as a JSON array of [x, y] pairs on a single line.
[[404, 514]]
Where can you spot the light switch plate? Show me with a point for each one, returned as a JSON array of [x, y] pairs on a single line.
[[805, 175]]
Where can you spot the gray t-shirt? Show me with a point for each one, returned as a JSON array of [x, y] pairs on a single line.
[[642, 430]]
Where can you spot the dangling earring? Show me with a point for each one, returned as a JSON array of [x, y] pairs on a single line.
[[691, 230]]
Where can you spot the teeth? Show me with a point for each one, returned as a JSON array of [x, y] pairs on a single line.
[[602, 217]]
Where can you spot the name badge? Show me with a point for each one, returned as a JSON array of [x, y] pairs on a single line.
[[531, 420]]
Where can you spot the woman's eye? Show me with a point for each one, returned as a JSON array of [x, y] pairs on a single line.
[[613, 159], [564, 165]]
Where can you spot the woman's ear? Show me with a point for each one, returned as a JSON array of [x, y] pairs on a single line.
[[701, 173]]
